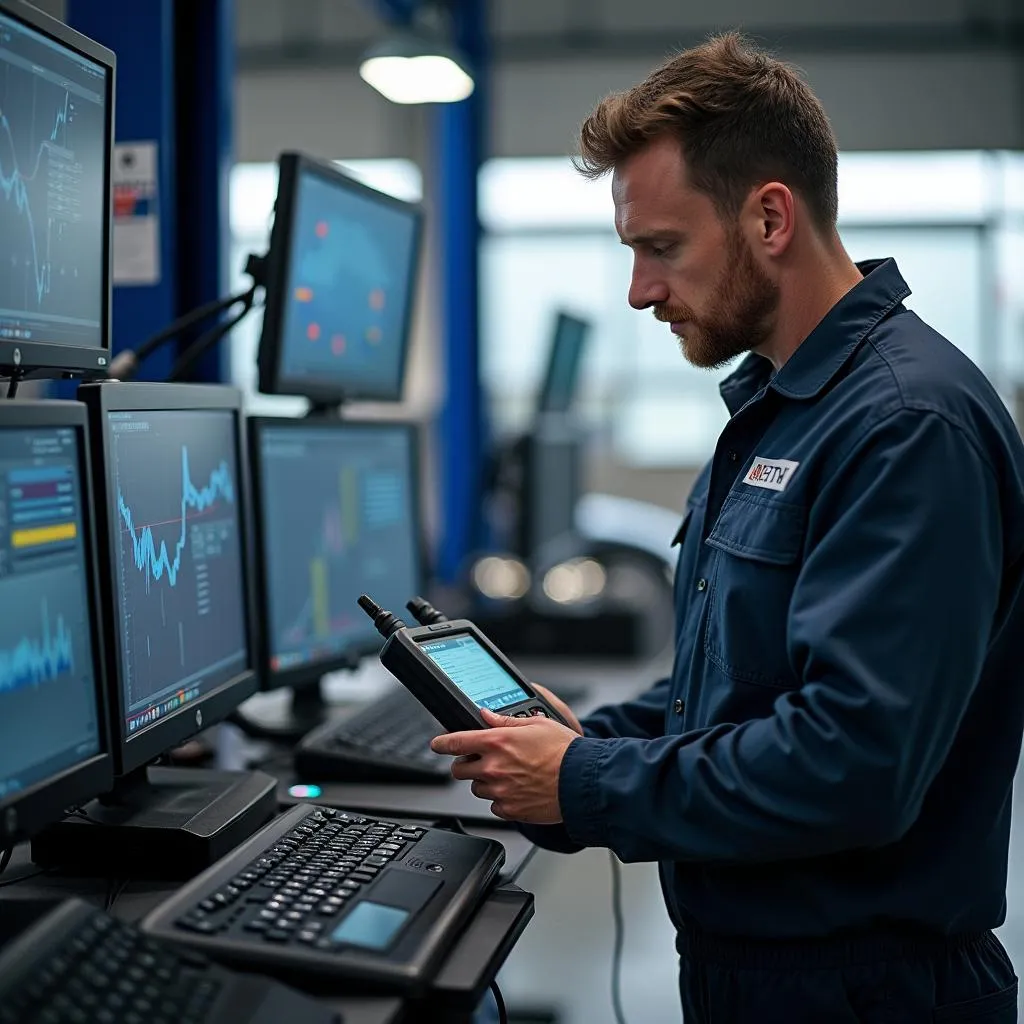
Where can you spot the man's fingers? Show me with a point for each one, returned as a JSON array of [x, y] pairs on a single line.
[[460, 743], [482, 790], [496, 721], [467, 768]]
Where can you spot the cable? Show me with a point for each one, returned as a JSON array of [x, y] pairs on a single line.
[[620, 936], [209, 338], [502, 1012], [5, 858], [23, 878], [125, 363], [114, 890], [12, 385]]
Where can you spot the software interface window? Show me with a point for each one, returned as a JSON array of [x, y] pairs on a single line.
[[46, 668], [348, 288], [351, 525], [52, 137], [179, 558]]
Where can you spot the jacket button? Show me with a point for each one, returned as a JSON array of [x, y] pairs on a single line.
[[677, 707], [702, 584], [733, 456]]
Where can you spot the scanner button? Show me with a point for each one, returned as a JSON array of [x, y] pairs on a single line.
[[522, 714], [439, 625], [538, 712]]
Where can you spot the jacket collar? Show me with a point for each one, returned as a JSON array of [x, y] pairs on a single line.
[[824, 351]]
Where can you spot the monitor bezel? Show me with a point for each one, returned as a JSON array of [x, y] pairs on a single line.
[[291, 167], [47, 800], [543, 395], [309, 674], [143, 747], [37, 359]]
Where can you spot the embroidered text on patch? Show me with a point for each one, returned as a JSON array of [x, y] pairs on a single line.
[[774, 474]]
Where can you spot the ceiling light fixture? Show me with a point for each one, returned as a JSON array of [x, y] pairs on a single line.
[[412, 67]]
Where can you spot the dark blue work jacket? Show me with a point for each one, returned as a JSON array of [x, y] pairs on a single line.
[[836, 746]]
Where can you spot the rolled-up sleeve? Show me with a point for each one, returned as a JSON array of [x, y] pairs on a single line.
[[887, 631]]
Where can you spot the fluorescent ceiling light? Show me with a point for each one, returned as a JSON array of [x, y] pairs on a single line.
[[410, 68]]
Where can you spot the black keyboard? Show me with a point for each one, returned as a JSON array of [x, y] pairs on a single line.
[[388, 740], [336, 899], [77, 965]]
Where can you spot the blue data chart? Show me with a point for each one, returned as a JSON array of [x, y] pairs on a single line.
[[48, 702], [40, 658], [52, 190], [154, 562], [349, 286], [472, 669], [178, 557]]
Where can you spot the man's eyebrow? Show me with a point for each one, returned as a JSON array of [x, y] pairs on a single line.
[[651, 237]]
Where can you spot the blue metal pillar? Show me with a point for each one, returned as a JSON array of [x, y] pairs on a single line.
[[142, 36], [173, 88], [459, 148], [205, 49]]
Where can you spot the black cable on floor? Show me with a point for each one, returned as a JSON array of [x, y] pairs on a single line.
[[23, 878], [620, 937], [502, 1012]]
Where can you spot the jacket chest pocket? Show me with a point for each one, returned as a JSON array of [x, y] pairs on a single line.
[[759, 547]]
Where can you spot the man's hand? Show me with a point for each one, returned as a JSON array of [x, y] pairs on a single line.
[[514, 764], [560, 706]]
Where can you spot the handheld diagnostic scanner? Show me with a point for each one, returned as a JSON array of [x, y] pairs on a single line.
[[452, 669]]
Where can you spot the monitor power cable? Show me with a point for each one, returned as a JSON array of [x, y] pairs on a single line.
[[500, 1002], [620, 936], [12, 385], [5, 858]]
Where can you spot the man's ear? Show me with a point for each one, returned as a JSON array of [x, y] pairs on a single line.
[[769, 218]]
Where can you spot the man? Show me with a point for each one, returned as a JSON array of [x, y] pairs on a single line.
[[825, 779]]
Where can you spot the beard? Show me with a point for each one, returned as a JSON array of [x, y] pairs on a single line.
[[740, 314]]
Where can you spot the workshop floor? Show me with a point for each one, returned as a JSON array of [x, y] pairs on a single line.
[[563, 961]]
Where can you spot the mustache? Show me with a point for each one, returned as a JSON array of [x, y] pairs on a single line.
[[671, 314]]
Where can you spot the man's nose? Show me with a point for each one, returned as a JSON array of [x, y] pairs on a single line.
[[646, 290]]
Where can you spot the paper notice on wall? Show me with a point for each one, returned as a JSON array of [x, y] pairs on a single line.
[[136, 241]]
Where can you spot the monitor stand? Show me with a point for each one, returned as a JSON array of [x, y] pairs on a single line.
[[282, 720], [159, 823]]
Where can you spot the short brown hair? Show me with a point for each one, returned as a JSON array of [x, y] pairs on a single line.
[[741, 116]]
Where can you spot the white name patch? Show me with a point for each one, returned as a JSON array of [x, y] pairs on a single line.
[[774, 474]]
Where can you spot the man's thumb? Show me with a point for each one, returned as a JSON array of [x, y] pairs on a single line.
[[493, 719]]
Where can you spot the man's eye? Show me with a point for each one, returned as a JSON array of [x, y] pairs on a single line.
[[663, 250]]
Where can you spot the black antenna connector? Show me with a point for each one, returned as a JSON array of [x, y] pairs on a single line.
[[385, 622], [424, 612]]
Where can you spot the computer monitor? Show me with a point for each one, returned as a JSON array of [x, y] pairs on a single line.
[[340, 278], [337, 515], [565, 358], [551, 460], [172, 493], [56, 139], [54, 750]]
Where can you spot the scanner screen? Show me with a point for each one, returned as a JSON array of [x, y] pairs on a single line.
[[472, 669]]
